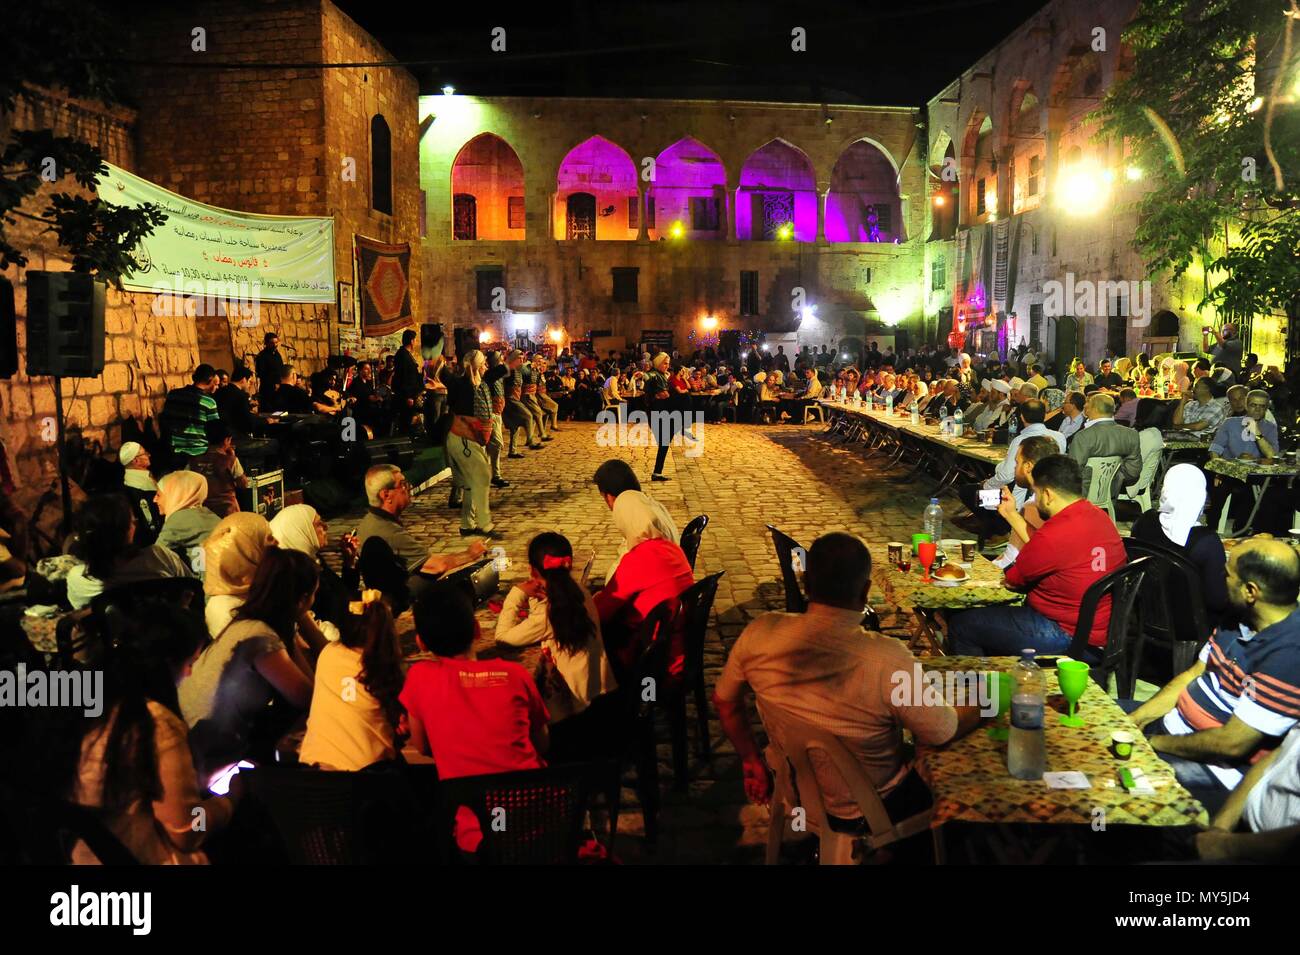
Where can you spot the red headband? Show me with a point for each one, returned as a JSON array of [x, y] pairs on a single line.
[[555, 563]]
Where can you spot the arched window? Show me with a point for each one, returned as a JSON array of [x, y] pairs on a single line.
[[596, 189], [864, 205], [580, 216], [487, 183], [777, 198], [381, 165]]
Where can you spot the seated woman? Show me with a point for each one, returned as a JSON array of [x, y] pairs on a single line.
[[257, 660], [298, 527], [132, 764], [187, 522], [1054, 398], [356, 719], [552, 608], [653, 570], [102, 541], [1174, 524], [231, 556]]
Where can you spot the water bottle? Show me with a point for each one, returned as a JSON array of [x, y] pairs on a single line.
[[889, 403], [933, 520], [1026, 750], [958, 424], [916, 415], [1013, 426]]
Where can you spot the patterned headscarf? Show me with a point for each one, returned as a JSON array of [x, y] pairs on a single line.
[[1053, 397]]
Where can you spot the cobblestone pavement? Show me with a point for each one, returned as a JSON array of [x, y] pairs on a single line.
[[744, 478]]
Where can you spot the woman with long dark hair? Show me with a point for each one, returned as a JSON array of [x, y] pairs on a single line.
[[356, 719], [133, 765], [258, 659], [553, 609], [104, 529]]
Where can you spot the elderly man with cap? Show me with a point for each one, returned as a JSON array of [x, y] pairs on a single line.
[[141, 490], [517, 414], [997, 407]]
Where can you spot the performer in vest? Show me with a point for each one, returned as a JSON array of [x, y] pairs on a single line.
[[530, 398], [665, 418], [550, 410], [469, 398], [498, 387], [516, 414]]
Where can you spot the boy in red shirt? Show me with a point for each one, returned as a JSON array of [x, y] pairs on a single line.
[[472, 716], [1076, 546]]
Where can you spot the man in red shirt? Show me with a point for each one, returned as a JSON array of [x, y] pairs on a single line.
[[1076, 546]]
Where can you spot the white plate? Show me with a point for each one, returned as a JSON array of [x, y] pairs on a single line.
[[950, 583]]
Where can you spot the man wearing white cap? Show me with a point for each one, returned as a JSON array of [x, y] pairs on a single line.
[[140, 489], [996, 408]]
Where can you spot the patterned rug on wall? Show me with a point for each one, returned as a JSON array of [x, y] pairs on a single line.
[[383, 285]]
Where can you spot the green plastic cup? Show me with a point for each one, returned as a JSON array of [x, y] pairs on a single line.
[[1073, 676], [917, 541]]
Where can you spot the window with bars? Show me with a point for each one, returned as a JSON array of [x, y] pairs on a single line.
[[938, 273], [625, 282], [979, 198], [1035, 170], [748, 293], [464, 221], [704, 214], [515, 212], [487, 279]]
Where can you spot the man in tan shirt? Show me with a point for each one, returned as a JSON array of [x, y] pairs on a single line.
[[821, 668]]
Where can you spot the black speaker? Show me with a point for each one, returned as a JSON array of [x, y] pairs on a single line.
[[65, 324], [431, 343], [466, 340], [8, 330]]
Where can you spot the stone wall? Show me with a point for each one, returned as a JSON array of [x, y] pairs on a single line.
[[557, 283]]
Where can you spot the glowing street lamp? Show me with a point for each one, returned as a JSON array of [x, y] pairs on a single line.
[[708, 323], [785, 231], [1083, 190], [1133, 173], [676, 230], [448, 90], [484, 337], [939, 200], [556, 335]]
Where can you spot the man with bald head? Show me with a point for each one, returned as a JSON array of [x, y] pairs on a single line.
[[1100, 437], [1243, 693]]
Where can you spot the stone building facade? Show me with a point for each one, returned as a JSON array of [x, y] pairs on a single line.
[[1021, 196], [680, 204]]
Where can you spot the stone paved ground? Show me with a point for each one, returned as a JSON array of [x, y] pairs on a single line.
[[744, 478]]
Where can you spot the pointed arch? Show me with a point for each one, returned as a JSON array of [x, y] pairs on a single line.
[[777, 186], [690, 187], [605, 171], [487, 177], [864, 204]]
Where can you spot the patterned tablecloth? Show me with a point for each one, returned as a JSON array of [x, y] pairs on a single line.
[[967, 447], [970, 782], [906, 591], [1245, 470], [1187, 444]]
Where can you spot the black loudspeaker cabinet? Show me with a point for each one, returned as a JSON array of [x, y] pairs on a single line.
[[431, 343], [65, 324], [8, 330], [466, 340]]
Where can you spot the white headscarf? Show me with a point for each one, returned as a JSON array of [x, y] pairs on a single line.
[[295, 529], [1182, 498], [639, 517]]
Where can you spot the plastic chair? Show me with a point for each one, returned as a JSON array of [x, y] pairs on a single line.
[[1123, 641], [814, 409], [796, 785], [530, 817], [325, 817], [1101, 483], [795, 601], [1153, 446], [690, 540], [1174, 616], [694, 608]]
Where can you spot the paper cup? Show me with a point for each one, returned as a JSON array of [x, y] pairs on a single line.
[[1121, 744]]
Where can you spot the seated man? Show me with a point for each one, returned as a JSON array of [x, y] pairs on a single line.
[[996, 408], [388, 495], [1248, 437], [289, 397], [1267, 801], [1127, 411], [1103, 437], [821, 668], [983, 521], [1201, 410], [472, 716], [1024, 519], [1076, 546], [1243, 693], [1071, 419]]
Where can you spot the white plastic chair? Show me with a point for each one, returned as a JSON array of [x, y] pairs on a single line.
[[1153, 446], [814, 409], [796, 787], [1103, 471]]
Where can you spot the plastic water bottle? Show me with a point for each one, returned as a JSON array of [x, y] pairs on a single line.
[[916, 415], [1013, 426], [889, 403], [958, 424], [1026, 750], [933, 520]]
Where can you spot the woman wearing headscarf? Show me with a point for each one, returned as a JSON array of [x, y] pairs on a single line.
[[1054, 398], [1182, 378], [653, 569], [1174, 524], [231, 555], [187, 523], [140, 489], [299, 527]]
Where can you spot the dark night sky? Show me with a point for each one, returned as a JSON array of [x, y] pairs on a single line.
[[885, 53]]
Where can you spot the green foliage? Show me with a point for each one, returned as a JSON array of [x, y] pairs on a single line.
[[69, 44], [1184, 114]]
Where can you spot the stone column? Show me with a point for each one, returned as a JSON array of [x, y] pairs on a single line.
[[733, 201], [823, 194]]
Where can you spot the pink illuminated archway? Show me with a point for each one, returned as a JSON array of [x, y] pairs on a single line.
[[864, 204], [777, 185], [599, 168], [689, 187], [487, 185]]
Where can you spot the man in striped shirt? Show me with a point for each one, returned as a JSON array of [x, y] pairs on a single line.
[[1243, 694], [187, 413]]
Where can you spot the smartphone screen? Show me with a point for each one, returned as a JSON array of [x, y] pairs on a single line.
[[990, 499]]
